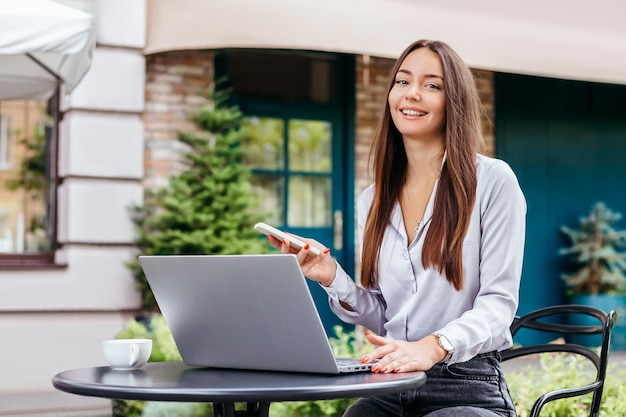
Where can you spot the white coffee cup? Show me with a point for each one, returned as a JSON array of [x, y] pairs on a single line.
[[127, 353]]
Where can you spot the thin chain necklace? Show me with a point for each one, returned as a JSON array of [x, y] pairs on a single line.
[[423, 212], [427, 189], [419, 222]]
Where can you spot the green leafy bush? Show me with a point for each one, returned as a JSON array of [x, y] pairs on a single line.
[[163, 346], [559, 370]]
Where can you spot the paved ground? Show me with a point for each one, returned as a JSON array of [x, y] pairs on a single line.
[[52, 404], [60, 404]]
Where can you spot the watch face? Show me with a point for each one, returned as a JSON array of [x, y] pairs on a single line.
[[445, 343]]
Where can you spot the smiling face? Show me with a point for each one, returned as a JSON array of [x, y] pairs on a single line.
[[417, 99]]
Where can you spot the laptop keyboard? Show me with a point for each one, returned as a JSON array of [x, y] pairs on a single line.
[[348, 362], [353, 365]]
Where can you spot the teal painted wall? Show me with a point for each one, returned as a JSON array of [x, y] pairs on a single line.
[[566, 141]]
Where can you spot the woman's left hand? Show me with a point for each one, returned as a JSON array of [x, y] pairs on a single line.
[[403, 356]]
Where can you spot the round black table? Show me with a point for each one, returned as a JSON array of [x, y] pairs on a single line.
[[173, 381]]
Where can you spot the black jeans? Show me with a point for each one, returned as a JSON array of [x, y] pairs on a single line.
[[475, 388]]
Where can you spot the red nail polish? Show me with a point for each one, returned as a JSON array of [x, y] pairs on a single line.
[[306, 247], [396, 370], [326, 251]]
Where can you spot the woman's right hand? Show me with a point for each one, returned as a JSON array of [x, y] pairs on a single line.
[[321, 268]]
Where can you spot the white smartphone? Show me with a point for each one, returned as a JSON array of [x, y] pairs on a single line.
[[297, 244]]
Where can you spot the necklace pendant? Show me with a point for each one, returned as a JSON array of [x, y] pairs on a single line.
[[417, 226]]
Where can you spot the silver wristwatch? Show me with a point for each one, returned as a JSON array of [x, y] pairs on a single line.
[[445, 345]]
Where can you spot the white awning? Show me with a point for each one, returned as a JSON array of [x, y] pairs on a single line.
[[42, 44], [568, 39]]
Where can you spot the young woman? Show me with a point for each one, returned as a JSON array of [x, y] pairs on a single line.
[[442, 235]]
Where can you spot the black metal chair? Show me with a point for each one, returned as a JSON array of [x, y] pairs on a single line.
[[536, 320]]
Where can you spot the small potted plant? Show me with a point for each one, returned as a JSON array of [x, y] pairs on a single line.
[[596, 272]]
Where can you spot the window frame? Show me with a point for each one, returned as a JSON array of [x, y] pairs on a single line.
[[44, 259]]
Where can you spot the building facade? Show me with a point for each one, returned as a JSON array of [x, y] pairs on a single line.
[[117, 137]]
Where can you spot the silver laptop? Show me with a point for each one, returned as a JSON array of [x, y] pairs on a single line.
[[243, 311]]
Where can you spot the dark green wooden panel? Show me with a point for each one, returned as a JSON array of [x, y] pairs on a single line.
[[566, 141]]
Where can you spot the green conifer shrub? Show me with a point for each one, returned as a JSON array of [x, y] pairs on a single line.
[[596, 254], [209, 207]]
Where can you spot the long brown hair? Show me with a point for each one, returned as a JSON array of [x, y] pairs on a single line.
[[456, 192]]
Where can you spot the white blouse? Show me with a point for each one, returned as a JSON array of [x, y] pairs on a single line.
[[411, 302]]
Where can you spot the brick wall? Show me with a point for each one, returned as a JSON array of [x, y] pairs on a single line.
[[177, 84], [484, 82], [371, 95]]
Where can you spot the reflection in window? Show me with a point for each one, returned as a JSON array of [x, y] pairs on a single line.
[[310, 202], [309, 145], [24, 177], [270, 192], [7, 140], [263, 142]]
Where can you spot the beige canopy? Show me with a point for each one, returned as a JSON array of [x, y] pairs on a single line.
[[568, 39]]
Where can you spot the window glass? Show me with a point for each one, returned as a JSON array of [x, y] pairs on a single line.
[[310, 145], [270, 191], [263, 142], [310, 203], [293, 191], [24, 177]]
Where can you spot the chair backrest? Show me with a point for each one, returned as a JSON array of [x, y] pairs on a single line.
[[536, 320]]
